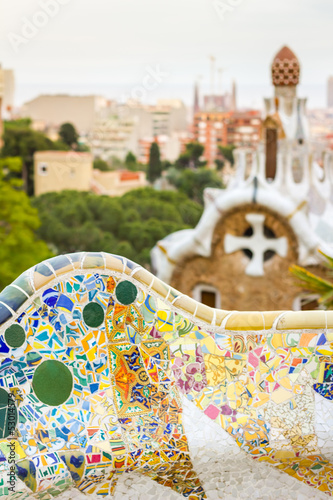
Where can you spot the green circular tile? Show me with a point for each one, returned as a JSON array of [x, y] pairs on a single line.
[[52, 382], [93, 315], [126, 292], [15, 336], [8, 414]]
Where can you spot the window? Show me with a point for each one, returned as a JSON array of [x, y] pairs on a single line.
[[208, 295], [306, 302], [42, 169]]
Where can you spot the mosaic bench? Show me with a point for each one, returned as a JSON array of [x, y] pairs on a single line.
[[107, 372]]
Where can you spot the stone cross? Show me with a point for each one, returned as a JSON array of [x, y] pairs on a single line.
[[258, 244]]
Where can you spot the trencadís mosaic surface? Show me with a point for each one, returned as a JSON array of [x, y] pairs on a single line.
[[107, 372]]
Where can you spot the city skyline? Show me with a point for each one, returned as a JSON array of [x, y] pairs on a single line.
[[108, 47]]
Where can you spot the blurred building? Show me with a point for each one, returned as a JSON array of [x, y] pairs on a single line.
[[54, 110], [108, 128], [221, 102], [213, 129], [166, 117], [9, 93], [321, 129], [171, 146], [117, 182], [113, 137], [134, 126], [217, 102], [61, 170], [330, 92]]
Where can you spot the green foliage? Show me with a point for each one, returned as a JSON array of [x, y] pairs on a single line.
[[227, 153], [68, 134], [194, 182], [20, 123], [312, 283], [116, 163], [154, 166], [21, 141], [219, 164], [166, 164], [102, 165], [19, 247], [11, 168], [131, 161], [130, 225], [191, 157], [82, 148]]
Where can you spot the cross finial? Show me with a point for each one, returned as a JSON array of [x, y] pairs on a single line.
[[257, 243]]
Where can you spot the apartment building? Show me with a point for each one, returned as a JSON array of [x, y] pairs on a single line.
[[240, 128]]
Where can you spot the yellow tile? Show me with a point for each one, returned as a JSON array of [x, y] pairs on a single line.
[[329, 315], [40, 280], [285, 382], [302, 320], [205, 313], [263, 398], [113, 263], [93, 260], [276, 340], [270, 317], [283, 455], [161, 288], [186, 304], [281, 395], [143, 276], [220, 315], [329, 335], [211, 346], [245, 321]]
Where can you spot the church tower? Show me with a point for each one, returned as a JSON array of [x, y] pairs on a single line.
[[196, 104]]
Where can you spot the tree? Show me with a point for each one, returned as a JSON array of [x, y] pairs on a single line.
[[20, 249], [19, 123], [116, 163], [21, 141], [312, 283], [191, 157], [69, 135], [130, 161], [101, 165], [82, 148], [154, 166], [129, 225], [227, 153], [166, 164], [194, 182], [219, 164]]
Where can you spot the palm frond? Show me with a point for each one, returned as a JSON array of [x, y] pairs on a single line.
[[329, 259], [310, 281], [326, 297]]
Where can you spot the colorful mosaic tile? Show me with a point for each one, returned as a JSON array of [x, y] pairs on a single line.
[[100, 360]]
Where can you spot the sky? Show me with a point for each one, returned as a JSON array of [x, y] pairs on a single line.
[[110, 47]]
